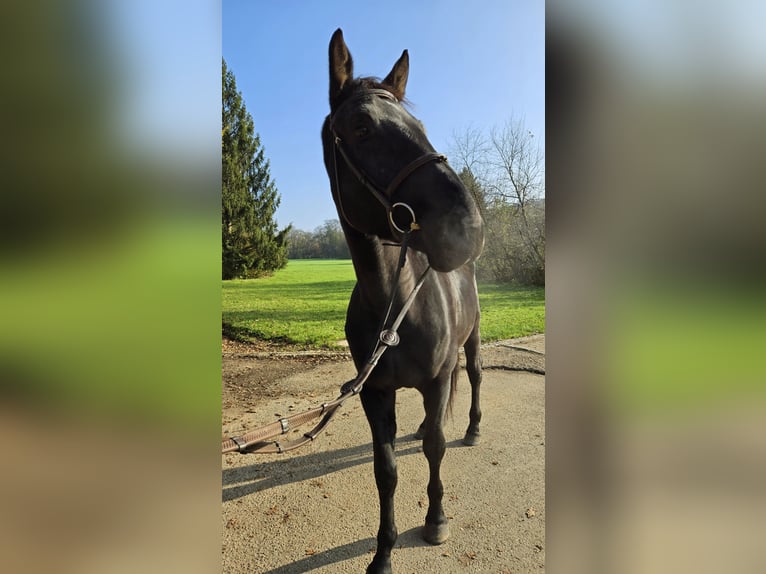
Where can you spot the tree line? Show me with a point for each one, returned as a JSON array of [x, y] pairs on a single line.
[[325, 242]]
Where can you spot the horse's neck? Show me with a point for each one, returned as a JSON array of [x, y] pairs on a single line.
[[375, 267]]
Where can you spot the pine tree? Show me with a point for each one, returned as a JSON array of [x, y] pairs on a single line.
[[251, 244]]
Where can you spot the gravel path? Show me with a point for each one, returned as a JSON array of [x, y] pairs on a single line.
[[316, 510]]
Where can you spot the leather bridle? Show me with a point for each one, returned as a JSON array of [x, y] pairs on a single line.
[[382, 194]]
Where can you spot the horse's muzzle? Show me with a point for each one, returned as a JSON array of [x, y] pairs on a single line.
[[452, 243]]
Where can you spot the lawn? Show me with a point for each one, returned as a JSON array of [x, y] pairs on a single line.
[[305, 304], [685, 346]]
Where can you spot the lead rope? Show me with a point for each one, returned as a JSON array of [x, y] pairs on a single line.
[[257, 441]]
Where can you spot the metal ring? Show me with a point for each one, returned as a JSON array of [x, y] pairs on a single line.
[[413, 223], [240, 442]]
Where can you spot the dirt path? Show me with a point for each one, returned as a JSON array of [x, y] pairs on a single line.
[[315, 510]]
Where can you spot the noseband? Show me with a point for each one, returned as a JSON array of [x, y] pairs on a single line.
[[380, 193]]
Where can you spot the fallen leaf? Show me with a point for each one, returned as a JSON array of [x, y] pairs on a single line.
[[466, 558]]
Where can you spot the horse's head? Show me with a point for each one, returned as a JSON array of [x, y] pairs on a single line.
[[384, 172]]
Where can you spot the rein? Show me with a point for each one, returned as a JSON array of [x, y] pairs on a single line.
[[258, 441]]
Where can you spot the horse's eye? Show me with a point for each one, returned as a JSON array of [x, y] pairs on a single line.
[[361, 132]]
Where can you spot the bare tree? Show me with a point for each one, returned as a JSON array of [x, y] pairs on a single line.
[[517, 163], [470, 150], [506, 168]]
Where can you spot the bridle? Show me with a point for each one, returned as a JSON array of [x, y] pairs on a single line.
[[382, 194]]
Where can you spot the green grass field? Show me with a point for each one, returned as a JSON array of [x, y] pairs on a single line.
[[686, 346], [305, 304]]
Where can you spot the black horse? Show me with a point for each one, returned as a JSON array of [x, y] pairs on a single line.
[[387, 181]]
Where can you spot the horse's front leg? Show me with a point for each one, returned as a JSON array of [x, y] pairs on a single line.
[[436, 529], [380, 408]]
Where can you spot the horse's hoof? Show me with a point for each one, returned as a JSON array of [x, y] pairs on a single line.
[[379, 566], [471, 439], [436, 533]]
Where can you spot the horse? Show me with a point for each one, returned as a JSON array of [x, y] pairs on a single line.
[[389, 186]]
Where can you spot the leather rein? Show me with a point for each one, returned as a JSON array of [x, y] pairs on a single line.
[[258, 441]]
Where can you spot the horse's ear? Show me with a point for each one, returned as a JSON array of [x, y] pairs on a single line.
[[341, 65], [397, 77]]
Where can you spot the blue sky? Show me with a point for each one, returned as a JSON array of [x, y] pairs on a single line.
[[471, 64]]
